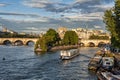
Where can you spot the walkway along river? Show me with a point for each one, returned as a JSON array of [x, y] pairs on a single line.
[[21, 63]]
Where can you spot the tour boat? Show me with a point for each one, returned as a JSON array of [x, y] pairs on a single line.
[[68, 54]]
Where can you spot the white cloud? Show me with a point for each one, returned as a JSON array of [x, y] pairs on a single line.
[[30, 20], [85, 17], [2, 4], [105, 7], [18, 14], [81, 1], [21, 17], [37, 3]]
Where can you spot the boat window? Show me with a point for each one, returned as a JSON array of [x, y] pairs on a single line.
[[107, 63], [106, 59]]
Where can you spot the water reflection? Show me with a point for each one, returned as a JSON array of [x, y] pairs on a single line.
[[66, 62], [30, 43]]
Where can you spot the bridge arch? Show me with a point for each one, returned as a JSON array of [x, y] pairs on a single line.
[[81, 44], [101, 44], [91, 44], [30, 42], [7, 42], [18, 43]]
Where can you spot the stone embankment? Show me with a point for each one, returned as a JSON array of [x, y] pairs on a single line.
[[59, 48], [63, 47]]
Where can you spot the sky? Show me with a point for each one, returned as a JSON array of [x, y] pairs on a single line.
[[39, 15]]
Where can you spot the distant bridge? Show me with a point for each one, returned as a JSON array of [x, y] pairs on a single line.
[[25, 41], [15, 41], [93, 43]]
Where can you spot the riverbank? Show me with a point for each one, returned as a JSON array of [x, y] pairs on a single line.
[[59, 48]]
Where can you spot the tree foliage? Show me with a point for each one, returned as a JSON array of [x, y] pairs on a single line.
[[99, 37], [51, 37], [112, 21], [48, 40], [70, 38], [16, 35]]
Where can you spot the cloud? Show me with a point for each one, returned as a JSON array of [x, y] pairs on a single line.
[[102, 6], [84, 17], [83, 6], [37, 3], [82, 1], [20, 17], [3, 4], [27, 26], [48, 5], [18, 14], [70, 14]]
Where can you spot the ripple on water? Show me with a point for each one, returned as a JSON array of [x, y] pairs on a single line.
[[25, 65]]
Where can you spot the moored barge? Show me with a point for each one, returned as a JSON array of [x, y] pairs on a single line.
[[95, 63]]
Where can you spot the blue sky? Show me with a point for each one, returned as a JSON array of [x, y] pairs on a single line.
[[40, 15]]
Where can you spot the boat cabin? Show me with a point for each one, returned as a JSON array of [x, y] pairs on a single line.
[[67, 54], [108, 62]]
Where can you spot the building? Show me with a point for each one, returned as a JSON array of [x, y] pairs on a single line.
[[86, 33], [4, 29], [61, 31]]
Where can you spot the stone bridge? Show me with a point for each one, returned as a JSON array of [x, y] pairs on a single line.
[[12, 41], [25, 41], [93, 43]]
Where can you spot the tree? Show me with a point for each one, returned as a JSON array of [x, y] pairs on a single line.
[[70, 38], [48, 40], [99, 37], [112, 21], [52, 37], [37, 44]]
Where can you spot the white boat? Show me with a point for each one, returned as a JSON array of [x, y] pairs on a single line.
[[68, 54], [108, 63]]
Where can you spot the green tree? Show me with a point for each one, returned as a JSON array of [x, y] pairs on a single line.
[[99, 37], [70, 38], [52, 37], [43, 43], [112, 21], [48, 40], [37, 44]]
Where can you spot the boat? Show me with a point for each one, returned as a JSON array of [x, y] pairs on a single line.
[[107, 63], [68, 54], [107, 76], [95, 63]]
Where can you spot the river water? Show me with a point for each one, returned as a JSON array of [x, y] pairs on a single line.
[[21, 63]]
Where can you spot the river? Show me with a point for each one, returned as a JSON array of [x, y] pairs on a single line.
[[21, 63]]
